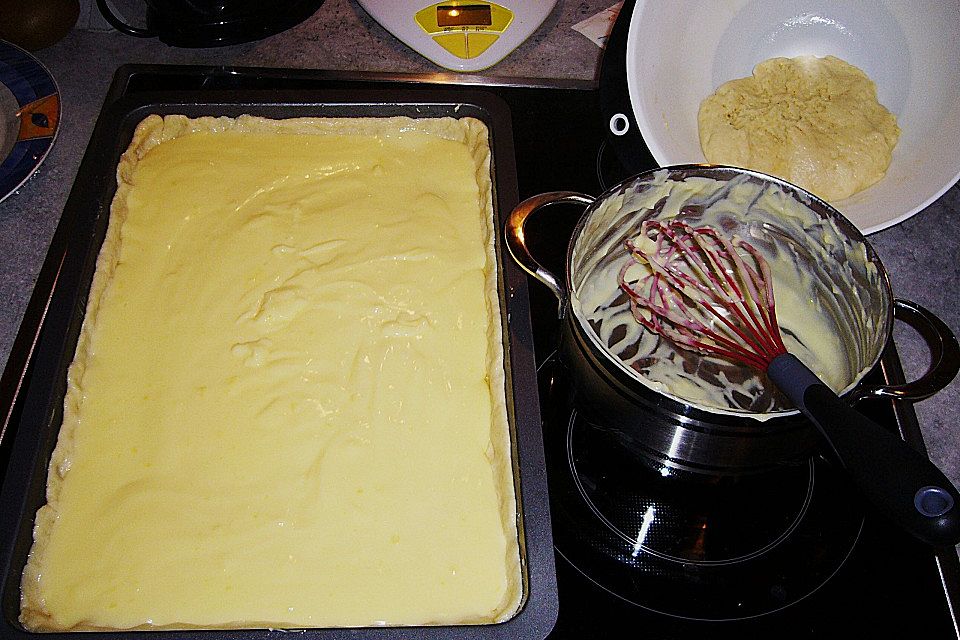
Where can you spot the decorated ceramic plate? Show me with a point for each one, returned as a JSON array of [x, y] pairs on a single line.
[[29, 114]]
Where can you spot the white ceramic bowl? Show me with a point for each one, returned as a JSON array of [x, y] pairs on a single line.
[[680, 51]]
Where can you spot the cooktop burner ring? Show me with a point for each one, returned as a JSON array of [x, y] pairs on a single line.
[[638, 545], [817, 534]]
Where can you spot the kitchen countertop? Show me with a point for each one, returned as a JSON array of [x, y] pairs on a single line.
[[921, 253]]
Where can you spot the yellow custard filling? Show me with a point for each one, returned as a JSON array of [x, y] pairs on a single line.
[[286, 408]]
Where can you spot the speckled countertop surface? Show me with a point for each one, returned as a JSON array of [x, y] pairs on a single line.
[[922, 254]]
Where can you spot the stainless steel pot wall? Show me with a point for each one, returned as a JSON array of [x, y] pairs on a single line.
[[847, 280]]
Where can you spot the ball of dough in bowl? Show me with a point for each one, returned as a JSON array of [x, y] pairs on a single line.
[[815, 122]]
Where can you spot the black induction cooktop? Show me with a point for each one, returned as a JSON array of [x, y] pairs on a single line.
[[788, 555]]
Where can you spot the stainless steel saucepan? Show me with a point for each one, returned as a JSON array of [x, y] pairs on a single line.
[[694, 415]]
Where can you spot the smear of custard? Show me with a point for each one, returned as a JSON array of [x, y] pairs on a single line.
[[822, 283]]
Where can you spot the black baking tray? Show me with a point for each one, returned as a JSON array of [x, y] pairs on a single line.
[[35, 400]]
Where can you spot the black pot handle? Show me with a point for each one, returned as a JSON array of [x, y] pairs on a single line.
[[900, 481], [117, 23], [517, 240], [944, 357]]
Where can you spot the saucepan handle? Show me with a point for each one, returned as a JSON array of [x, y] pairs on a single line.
[[517, 240], [944, 356], [900, 481], [117, 22]]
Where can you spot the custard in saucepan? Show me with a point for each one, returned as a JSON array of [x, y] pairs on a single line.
[[818, 277]]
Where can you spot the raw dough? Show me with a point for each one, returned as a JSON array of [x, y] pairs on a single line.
[[812, 121]]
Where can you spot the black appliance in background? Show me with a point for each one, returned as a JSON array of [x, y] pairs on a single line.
[[212, 23]]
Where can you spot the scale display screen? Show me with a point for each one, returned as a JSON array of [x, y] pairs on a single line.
[[470, 15]]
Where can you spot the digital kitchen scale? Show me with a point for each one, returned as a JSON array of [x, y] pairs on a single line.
[[462, 35]]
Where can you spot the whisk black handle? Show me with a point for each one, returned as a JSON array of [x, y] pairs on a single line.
[[899, 481]]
